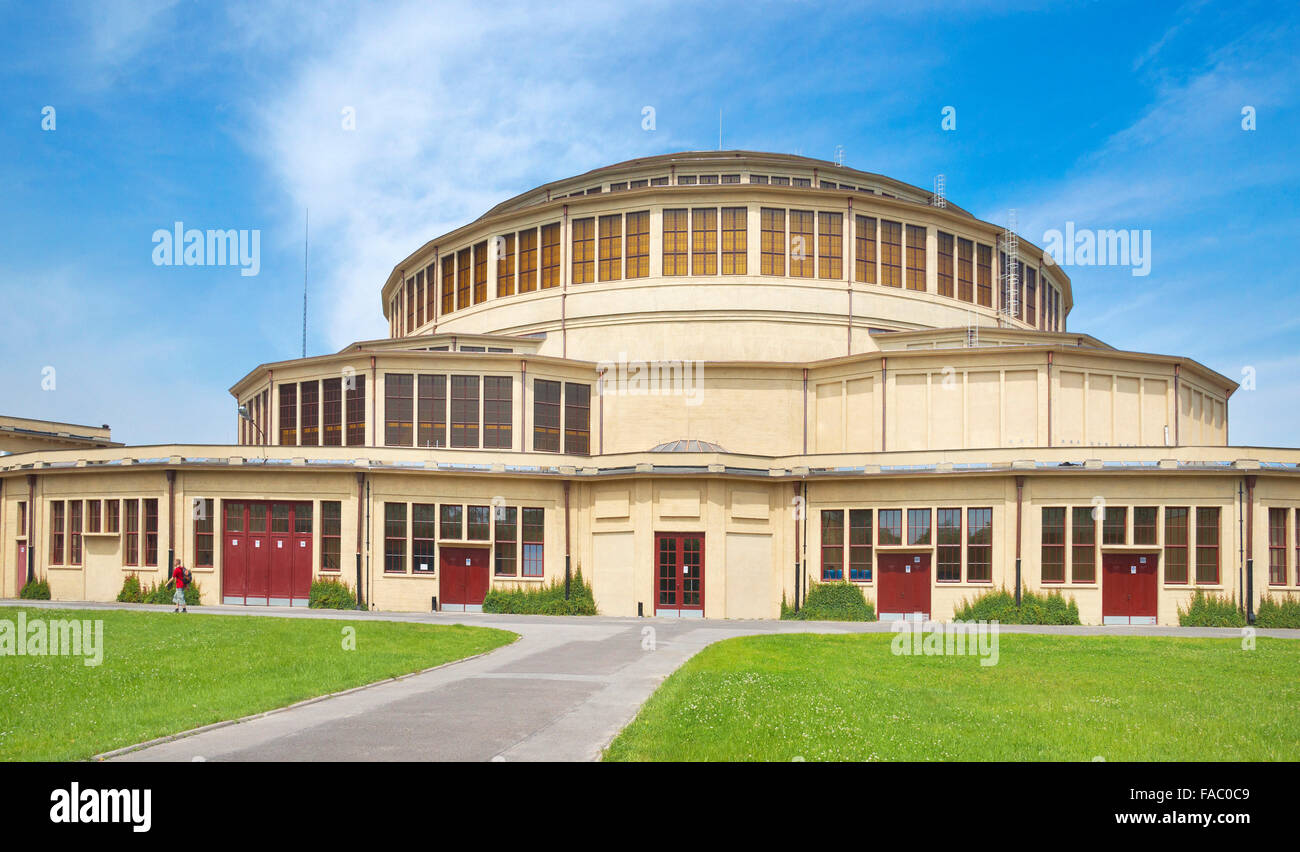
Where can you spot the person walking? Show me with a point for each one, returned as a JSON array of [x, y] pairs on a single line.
[[178, 577]]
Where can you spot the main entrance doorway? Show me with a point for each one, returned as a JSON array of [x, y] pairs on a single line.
[[464, 578], [1128, 588], [904, 586], [679, 574], [266, 555]]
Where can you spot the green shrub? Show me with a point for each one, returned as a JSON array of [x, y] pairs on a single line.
[[838, 600], [1211, 611], [543, 600], [35, 590], [1000, 606], [1284, 613], [162, 594], [331, 594], [131, 591]]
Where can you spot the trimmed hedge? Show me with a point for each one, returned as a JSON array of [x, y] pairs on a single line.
[[1211, 611], [331, 594], [1273, 613], [35, 590], [838, 600], [131, 591], [543, 600], [1000, 606]]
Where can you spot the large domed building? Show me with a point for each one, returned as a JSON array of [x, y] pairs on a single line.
[[707, 381]]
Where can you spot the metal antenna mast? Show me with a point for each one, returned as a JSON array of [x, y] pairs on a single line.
[[306, 236]]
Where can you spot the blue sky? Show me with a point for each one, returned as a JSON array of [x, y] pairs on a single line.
[[1110, 115]]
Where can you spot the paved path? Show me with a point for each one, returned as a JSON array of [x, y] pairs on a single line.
[[562, 692]]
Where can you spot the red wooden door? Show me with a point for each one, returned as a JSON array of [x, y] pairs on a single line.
[[234, 550], [679, 573], [904, 584], [300, 585], [1128, 588], [464, 576], [280, 555], [257, 575]]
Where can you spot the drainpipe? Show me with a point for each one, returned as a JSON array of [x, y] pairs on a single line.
[[1177, 407], [1250, 550], [1241, 549], [805, 411], [566, 540], [1049, 398], [361, 482], [884, 401], [171, 519], [600, 433], [31, 527], [1020, 495]]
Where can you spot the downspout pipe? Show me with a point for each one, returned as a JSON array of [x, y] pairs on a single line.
[[567, 575], [361, 500], [1250, 550], [798, 515], [1020, 496], [171, 519], [31, 527]]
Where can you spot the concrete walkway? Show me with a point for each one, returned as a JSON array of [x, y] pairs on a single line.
[[562, 692]]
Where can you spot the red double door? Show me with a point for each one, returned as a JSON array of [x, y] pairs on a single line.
[[464, 578], [903, 585], [1128, 588], [266, 556], [679, 574]]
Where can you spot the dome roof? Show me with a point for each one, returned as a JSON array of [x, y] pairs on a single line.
[[688, 445]]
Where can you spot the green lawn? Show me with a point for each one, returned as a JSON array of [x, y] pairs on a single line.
[[1075, 698], [162, 673]]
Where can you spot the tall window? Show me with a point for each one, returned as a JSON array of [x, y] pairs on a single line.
[[112, 516], [860, 544], [477, 520], [480, 272], [506, 266], [356, 405], [918, 526], [399, 409], [203, 526], [550, 255], [309, 398], [979, 545], [890, 527], [331, 534], [395, 538], [1207, 545], [577, 418], [289, 414], [704, 241], [948, 545], [1031, 295], [735, 245], [830, 245], [584, 250], [131, 547], [93, 516], [1277, 524], [332, 412], [151, 531], [891, 253], [534, 532], [1083, 550], [448, 284], [638, 244], [801, 244], [674, 247], [1144, 524], [611, 247], [74, 532], [22, 520], [464, 411], [772, 241], [431, 411], [984, 275], [965, 270], [546, 416], [498, 394], [528, 260], [429, 277], [424, 537], [864, 253], [945, 264], [832, 544], [463, 260], [1114, 527], [1176, 544], [915, 257], [505, 551], [409, 288], [451, 520], [1052, 565]]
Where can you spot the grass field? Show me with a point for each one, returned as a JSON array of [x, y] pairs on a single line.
[[162, 673], [1072, 698]]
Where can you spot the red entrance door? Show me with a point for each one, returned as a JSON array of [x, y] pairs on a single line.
[[20, 569], [1128, 588], [464, 581], [266, 553], [679, 574], [904, 585]]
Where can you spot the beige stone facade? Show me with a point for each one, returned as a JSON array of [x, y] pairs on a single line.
[[702, 413]]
